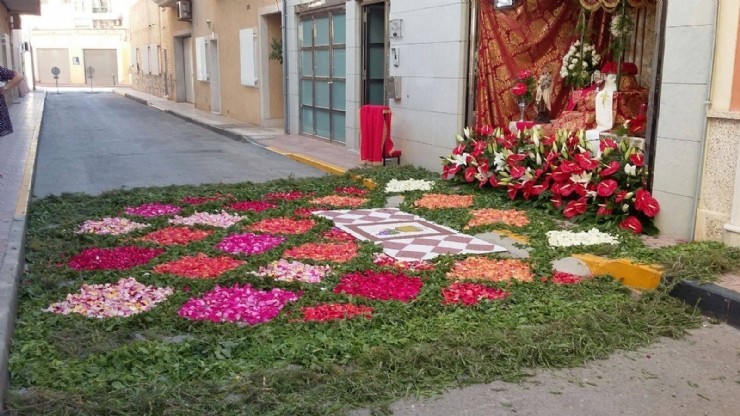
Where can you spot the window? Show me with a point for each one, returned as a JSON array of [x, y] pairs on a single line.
[[80, 6], [101, 6]]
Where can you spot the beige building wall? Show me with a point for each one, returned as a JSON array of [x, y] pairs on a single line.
[[718, 214], [153, 25], [250, 104]]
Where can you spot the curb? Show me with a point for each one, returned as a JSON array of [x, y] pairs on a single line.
[[13, 264], [712, 300]]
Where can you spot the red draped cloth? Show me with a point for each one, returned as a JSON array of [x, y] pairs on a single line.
[[535, 35], [375, 132]]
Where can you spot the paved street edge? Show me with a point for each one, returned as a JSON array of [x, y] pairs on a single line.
[[13, 263]]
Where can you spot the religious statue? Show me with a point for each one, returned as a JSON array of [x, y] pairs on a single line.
[[543, 97]]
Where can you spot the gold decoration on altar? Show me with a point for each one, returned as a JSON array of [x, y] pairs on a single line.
[[611, 5], [608, 5]]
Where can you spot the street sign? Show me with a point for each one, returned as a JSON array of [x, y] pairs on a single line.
[[90, 71], [55, 71]]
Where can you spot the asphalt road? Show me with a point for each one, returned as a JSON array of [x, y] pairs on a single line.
[[94, 142]]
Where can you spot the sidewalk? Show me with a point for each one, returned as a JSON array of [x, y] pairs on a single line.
[[17, 163]]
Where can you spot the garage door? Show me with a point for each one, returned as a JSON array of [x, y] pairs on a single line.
[[105, 63], [50, 58]]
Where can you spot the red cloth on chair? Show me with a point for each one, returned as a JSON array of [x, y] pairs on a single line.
[[375, 133]]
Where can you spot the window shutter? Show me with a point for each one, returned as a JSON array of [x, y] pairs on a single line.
[[247, 57], [201, 63]]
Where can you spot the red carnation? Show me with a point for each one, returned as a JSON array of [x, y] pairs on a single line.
[[632, 224], [606, 188]]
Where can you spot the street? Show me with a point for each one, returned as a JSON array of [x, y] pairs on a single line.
[[95, 142]]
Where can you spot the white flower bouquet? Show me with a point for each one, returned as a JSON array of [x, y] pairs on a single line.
[[579, 63]]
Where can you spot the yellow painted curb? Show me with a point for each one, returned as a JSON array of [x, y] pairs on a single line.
[[326, 167], [640, 276], [514, 236]]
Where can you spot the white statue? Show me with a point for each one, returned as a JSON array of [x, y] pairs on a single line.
[[544, 90]]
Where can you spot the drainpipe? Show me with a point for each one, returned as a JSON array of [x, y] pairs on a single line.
[[286, 104]]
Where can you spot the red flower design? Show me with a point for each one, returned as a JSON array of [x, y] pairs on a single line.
[[637, 159], [334, 311], [607, 144], [603, 210], [255, 206], [562, 278], [471, 293], [199, 266], [116, 258], [350, 190], [470, 174], [380, 285], [524, 74], [584, 161]]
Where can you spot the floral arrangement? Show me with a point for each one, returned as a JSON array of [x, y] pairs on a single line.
[[380, 286], [579, 63], [294, 271], [585, 238], [620, 30], [339, 201], [237, 304], [440, 201], [199, 266], [524, 86], [471, 294], [334, 312], [559, 171], [488, 216], [116, 258], [282, 226], [171, 236], [254, 206], [154, 209], [109, 226], [334, 252], [222, 220], [492, 270], [249, 243], [122, 299], [395, 186]]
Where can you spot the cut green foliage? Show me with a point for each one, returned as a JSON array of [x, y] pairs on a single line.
[[157, 363]]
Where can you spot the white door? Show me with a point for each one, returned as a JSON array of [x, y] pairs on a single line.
[[214, 72], [187, 56]]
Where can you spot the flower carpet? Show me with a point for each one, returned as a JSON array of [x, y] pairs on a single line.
[[249, 296]]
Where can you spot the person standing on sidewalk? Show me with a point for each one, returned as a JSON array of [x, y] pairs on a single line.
[[11, 79]]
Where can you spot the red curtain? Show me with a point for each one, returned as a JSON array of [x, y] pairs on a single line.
[[535, 35]]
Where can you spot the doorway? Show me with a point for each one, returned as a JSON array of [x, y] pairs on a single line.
[[271, 70], [323, 63], [187, 83], [374, 54], [105, 63], [214, 72]]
